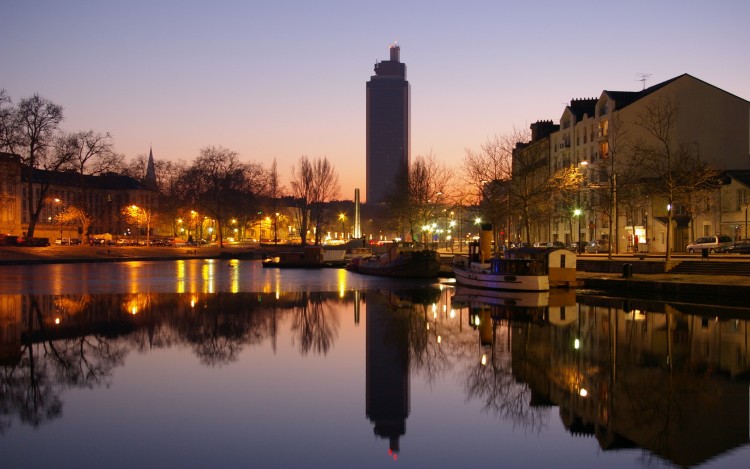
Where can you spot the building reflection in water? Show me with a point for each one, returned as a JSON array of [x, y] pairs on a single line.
[[387, 368], [671, 379]]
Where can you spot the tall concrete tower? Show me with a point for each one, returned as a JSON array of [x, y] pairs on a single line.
[[388, 142]]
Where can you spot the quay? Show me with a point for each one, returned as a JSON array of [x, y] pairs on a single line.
[[719, 275]]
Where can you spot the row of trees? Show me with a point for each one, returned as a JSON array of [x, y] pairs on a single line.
[[509, 181], [31, 129], [216, 183]]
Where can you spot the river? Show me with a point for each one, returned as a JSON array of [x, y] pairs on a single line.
[[221, 363]]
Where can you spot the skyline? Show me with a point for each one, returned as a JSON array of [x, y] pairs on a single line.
[[288, 79]]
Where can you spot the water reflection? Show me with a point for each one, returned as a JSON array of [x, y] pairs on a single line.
[[630, 373]]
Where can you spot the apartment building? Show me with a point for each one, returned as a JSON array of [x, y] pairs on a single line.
[[598, 135]]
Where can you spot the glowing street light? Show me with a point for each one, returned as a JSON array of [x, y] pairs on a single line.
[[342, 217], [577, 214], [58, 202]]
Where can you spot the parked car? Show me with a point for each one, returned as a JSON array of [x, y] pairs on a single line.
[[550, 244], [68, 241], [600, 245], [716, 243], [741, 246]]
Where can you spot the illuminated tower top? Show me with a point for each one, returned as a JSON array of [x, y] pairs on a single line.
[[392, 67]]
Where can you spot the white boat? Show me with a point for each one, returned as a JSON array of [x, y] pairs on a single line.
[[527, 269]]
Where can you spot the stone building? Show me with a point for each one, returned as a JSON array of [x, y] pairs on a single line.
[[102, 197], [597, 136]]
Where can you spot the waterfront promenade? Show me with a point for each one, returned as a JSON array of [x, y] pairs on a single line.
[[674, 283]]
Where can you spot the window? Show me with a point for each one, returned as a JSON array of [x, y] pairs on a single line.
[[741, 199]]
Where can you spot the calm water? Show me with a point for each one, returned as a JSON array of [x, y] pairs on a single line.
[[226, 364]]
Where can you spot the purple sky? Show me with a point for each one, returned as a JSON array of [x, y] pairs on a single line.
[[287, 78]]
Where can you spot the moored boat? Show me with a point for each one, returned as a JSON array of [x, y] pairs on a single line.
[[527, 269], [403, 259], [557, 306], [309, 257]]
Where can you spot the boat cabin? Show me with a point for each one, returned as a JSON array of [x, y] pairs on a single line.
[[558, 264]]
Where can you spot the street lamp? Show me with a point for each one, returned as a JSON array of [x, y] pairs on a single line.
[[342, 217], [58, 202], [577, 214], [276, 228]]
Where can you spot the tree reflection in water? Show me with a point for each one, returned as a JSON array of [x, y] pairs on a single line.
[[315, 324], [654, 375]]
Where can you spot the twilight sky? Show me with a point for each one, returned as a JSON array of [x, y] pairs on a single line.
[[283, 79]]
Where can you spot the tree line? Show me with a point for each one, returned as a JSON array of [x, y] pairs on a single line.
[[508, 182], [216, 183]]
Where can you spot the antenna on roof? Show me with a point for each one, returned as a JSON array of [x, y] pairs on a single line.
[[642, 78]]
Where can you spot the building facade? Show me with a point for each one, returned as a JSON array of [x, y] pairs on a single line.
[[388, 126], [599, 135], [101, 197]]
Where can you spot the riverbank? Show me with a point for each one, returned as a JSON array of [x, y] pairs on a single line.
[[16, 255], [657, 283]]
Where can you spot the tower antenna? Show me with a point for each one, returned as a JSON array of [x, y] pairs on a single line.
[[642, 77]]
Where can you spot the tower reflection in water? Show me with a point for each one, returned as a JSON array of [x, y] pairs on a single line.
[[670, 379], [387, 368]]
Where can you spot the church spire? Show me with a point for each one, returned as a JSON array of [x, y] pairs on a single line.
[[151, 170]]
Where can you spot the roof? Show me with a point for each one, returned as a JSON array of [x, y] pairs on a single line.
[[625, 98], [108, 181], [581, 107], [742, 176]]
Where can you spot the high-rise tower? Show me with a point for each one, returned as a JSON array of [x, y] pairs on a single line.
[[387, 126]]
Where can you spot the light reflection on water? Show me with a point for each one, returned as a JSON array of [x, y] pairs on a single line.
[[224, 363]]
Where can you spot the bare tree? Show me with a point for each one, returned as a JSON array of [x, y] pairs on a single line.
[[487, 173], [216, 182], [511, 180], [7, 129], [674, 169], [529, 189], [88, 154], [313, 184], [168, 176], [77, 215], [93, 154], [302, 190], [566, 184], [275, 191], [141, 217], [30, 129], [325, 189], [428, 186]]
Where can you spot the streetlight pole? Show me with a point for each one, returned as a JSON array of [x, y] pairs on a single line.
[[58, 202], [577, 214]]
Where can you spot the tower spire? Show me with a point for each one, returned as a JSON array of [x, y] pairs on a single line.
[[150, 169]]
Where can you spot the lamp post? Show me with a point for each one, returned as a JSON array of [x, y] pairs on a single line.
[[276, 228], [667, 256], [135, 213], [58, 202], [577, 214], [342, 217]]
